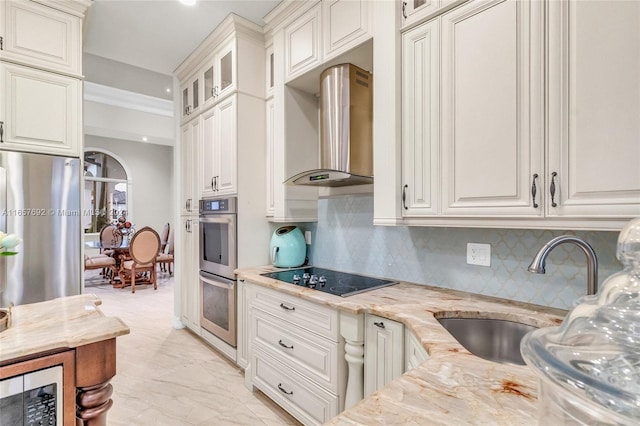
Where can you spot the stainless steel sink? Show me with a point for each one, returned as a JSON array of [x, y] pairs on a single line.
[[491, 339]]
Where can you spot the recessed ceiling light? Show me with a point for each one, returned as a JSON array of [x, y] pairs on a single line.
[[144, 139], [188, 2], [168, 89]]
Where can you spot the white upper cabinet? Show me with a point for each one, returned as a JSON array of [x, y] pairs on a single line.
[[523, 118], [219, 75], [345, 25], [36, 35], [219, 154], [302, 43], [420, 120], [492, 128], [39, 111], [594, 105], [190, 95]]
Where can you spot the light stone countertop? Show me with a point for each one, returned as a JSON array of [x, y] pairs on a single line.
[[66, 322], [452, 386]]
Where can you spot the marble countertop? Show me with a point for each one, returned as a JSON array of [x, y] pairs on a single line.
[[452, 386], [66, 322]]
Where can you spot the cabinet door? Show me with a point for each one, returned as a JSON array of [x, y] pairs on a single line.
[[414, 352], [225, 63], [40, 111], [346, 24], [227, 140], [210, 157], [420, 118], [412, 10], [37, 35], [190, 98], [187, 272], [270, 139], [302, 43], [492, 127], [594, 105], [190, 135], [209, 83], [383, 352]]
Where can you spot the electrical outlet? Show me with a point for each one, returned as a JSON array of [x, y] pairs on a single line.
[[307, 237], [479, 254]]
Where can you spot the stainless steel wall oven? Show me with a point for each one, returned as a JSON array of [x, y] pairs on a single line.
[[218, 260]]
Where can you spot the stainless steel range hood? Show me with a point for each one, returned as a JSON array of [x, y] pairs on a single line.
[[346, 136]]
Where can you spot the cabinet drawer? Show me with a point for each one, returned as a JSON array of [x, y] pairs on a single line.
[[307, 315], [302, 398], [305, 352]]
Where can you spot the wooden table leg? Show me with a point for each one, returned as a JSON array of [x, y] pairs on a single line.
[[95, 366]]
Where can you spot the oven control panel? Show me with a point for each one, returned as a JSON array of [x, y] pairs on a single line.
[[217, 205]]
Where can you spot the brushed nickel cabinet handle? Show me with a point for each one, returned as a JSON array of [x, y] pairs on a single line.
[[534, 190], [552, 189]]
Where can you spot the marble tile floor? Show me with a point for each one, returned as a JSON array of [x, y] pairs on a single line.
[[170, 377]]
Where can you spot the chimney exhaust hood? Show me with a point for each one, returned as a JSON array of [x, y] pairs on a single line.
[[346, 129]]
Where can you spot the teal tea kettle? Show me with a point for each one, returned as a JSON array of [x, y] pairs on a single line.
[[288, 248]]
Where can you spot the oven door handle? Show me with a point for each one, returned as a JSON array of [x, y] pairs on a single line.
[[227, 219], [216, 280]]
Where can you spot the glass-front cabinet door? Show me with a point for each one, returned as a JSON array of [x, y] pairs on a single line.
[[413, 10], [208, 82], [225, 61]]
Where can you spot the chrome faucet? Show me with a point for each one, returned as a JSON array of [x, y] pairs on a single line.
[[538, 263]]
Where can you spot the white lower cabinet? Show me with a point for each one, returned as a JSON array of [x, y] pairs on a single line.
[[294, 392], [188, 273], [383, 352], [414, 352], [297, 354]]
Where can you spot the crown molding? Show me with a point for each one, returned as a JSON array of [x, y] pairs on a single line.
[[125, 99]]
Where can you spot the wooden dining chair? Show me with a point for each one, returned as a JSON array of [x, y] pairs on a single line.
[[143, 251], [110, 238], [165, 260], [106, 263]]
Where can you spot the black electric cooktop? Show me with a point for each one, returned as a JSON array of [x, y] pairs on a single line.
[[333, 282]]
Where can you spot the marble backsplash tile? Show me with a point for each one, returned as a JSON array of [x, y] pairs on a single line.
[[345, 239]]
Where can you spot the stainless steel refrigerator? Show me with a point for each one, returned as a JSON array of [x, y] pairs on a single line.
[[40, 202]]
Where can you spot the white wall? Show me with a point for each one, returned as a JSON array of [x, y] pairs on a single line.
[[151, 169]]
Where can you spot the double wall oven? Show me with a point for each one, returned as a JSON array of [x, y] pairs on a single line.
[[218, 260]]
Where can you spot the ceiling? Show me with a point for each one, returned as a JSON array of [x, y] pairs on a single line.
[[159, 34]]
